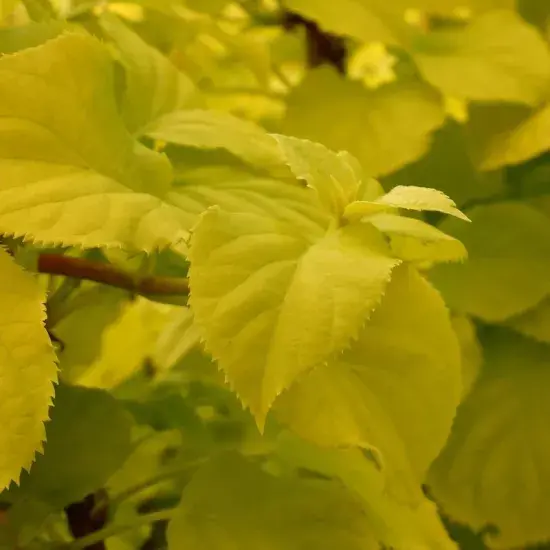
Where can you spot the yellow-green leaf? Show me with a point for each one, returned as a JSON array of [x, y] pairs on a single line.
[[534, 322], [217, 130], [508, 262], [396, 388], [231, 503], [494, 469], [415, 241], [497, 57], [153, 85], [27, 370], [275, 298], [394, 523], [334, 176], [69, 171], [407, 197], [384, 128], [87, 440], [508, 134]]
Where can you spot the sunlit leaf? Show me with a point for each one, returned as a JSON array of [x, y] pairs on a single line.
[[275, 298], [370, 395], [27, 370]]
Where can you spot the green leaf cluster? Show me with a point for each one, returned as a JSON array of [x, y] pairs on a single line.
[[274, 275]]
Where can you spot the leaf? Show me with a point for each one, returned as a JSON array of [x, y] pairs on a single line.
[[391, 522], [6, 7], [275, 299], [122, 346], [180, 335], [415, 241], [395, 389], [534, 323], [497, 57], [14, 39], [77, 179], [409, 198], [505, 134], [234, 504], [88, 439], [27, 370], [217, 130], [494, 468], [449, 167], [154, 86], [383, 128], [93, 310], [471, 352], [508, 261], [236, 190], [332, 175], [377, 20]]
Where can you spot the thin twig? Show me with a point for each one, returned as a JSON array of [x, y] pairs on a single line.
[[104, 273]]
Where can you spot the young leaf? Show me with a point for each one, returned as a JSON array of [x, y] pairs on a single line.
[[497, 57], [27, 370], [332, 175], [87, 440], [154, 86], [384, 128], [252, 509], [416, 241], [69, 171], [396, 389], [494, 469], [508, 261], [216, 130], [409, 198], [275, 299]]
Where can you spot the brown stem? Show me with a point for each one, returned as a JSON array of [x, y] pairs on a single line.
[[81, 268]]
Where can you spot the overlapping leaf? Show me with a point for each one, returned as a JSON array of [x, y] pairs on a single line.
[[216, 130], [494, 469], [236, 190], [396, 389], [153, 85], [27, 370], [497, 57], [376, 20], [415, 241], [88, 438], [384, 128], [391, 522], [508, 261], [234, 504], [507, 134], [69, 170], [408, 198], [334, 176], [276, 298], [449, 167]]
